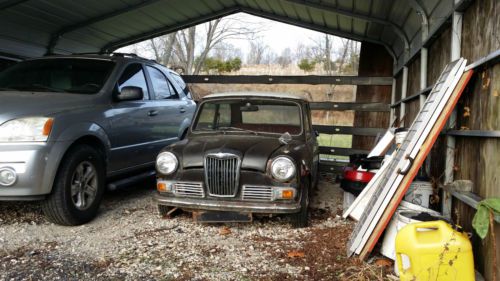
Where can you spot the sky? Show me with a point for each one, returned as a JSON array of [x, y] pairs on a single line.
[[277, 36]]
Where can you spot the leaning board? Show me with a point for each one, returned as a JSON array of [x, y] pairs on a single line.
[[400, 166], [419, 159]]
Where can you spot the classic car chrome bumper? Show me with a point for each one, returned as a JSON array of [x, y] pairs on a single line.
[[228, 205]]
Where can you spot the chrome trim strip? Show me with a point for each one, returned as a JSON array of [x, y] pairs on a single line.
[[226, 205]]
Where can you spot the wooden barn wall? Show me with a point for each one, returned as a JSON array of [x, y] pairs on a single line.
[[477, 159], [412, 108], [374, 61], [438, 57]]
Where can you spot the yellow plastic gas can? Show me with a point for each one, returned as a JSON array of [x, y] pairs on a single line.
[[433, 251]]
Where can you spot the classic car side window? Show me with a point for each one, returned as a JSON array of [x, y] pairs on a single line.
[[307, 121], [162, 88], [133, 75]]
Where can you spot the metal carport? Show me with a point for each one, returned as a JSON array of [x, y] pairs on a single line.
[[33, 28]]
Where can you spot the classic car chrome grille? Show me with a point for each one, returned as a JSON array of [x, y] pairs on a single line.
[[257, 193], [190, 189], [222, 172]]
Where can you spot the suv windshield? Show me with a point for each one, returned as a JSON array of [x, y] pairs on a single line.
[[251, 116], [80, 76]]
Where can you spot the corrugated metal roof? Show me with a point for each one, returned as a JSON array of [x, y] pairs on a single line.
[[35, 27]]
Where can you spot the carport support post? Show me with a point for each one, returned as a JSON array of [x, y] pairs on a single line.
[[456, 40], [393, 100], [404, 89]]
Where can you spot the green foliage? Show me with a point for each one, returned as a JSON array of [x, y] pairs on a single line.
[[219, 66], [307, 65], [481, 221]]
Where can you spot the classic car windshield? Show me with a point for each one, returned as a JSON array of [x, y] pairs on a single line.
[[80, 76], [266, 116]]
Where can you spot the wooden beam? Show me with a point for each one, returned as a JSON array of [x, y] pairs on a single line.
[[341, 151], [341, 106], [347, 130], [474, 133], [267, 79]]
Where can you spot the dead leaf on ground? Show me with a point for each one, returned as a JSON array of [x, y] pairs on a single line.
[[225, 231], [384, 262], [296, 254]]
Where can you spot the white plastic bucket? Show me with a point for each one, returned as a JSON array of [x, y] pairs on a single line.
[[397, 222], [348, 200], [419, 193]]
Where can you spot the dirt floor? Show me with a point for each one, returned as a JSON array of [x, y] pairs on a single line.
[[129, 241]]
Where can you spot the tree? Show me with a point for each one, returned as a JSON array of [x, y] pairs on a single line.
[[307, 65], [206, 37], [257, 52], [285, 58]]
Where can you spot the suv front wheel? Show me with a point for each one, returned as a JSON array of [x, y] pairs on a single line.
[[78, 187]]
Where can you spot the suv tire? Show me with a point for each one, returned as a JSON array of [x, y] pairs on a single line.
[[78, 187]]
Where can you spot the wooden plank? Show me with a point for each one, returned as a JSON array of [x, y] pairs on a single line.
[[342, 106], [341, 151], [347, 130], [409, 149], [474, 133], [418, 160], [286, 79]]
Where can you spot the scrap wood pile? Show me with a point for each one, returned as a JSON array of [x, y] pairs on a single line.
[[376, 204]]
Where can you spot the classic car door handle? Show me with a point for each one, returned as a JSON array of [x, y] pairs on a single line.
[[182, 110], [153, 113]]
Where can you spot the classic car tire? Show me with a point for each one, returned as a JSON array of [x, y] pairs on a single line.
[[163, 210], [60, 207], [301, 219]]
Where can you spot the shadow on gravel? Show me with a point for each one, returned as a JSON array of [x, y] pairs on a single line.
[[30, 211]]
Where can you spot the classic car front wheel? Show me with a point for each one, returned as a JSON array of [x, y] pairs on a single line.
[[301, 219]]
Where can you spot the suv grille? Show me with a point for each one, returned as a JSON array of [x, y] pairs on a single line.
[[222, 171]]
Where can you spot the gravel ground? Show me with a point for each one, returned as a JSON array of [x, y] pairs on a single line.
[[129, 241]]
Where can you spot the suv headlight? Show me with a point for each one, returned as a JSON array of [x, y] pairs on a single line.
[[166, 163], [29, 129], [283, 168]]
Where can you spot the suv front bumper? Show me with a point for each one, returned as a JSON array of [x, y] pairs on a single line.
[[228, 205], [34, 171]]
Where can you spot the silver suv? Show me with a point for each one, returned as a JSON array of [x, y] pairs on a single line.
[[72, 125]]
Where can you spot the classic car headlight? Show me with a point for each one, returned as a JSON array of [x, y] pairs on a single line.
[[30, 129], [166, 163], [282, 168]]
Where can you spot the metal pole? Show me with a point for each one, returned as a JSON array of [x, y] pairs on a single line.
[[404, 89], [456, 40]]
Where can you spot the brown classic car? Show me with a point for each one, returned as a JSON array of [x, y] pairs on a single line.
[[245, 154]]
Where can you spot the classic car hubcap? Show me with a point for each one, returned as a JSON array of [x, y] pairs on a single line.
[[84, 185]]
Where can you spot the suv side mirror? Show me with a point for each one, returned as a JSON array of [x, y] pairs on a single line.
[[129, 93], [316, 133]]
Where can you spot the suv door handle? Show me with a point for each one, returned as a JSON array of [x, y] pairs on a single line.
[[153, 113], [182, 110]]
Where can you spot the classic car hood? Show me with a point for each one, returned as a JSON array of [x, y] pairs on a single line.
[[19, 104], [255, 150]]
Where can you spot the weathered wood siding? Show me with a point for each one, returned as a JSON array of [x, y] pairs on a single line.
[[412, 107], [374, 61], [478, 159], [438, 56]]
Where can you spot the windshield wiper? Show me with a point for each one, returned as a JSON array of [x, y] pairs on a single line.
[[36, 86], [237, 129]]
